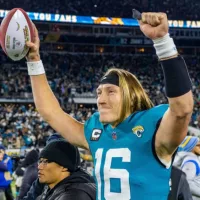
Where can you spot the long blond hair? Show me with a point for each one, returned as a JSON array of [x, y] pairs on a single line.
[[134, 96]]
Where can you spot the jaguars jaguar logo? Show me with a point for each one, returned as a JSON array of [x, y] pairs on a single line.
[[138, 130]]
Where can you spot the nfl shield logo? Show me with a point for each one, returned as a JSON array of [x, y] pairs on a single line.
[[114, 135]]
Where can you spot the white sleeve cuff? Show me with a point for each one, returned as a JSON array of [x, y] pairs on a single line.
[[35, 68], [165, 47]]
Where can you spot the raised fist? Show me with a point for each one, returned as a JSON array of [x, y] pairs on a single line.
[[154, 25]]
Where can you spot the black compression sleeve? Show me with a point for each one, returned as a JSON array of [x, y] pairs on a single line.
[[177, 80]]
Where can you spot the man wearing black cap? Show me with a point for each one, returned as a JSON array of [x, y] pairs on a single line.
[[58, 168]]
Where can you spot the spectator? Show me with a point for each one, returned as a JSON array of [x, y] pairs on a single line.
[[37, 187], [31, 173], [5, 172], [180, 189], [191, 166], [189, 162], [59, 169]]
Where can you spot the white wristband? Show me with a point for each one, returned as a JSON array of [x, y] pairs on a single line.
[[165, 47], [35, 68]]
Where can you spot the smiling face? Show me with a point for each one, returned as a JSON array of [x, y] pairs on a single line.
[[109, 101], [119, 96]]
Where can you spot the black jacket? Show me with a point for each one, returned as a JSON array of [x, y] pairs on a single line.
[[78, 186], [29, 177], [180, 188], [35, 191]]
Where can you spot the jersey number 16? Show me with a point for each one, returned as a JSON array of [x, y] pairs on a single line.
[[108, 173]]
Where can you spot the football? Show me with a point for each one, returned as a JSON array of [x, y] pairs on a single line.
[[16, 29]]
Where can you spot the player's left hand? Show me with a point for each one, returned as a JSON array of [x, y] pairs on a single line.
[[154, 25], [33, 54]]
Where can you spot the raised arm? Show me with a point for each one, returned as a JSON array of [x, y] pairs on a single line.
[[47, 104], [174, 124]]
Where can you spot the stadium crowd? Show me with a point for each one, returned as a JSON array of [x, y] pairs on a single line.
[[22, 126], [71, 76], [110, 8]]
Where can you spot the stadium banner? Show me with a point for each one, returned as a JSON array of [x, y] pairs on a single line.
[[35, 16]]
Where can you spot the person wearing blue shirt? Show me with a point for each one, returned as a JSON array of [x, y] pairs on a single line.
[[131, 141], [5, 172]]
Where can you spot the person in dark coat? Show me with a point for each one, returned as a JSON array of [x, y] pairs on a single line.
[[58, 168], [31, 172], [37, 187], [85, 181], [82, 176], [35, 191], [180, 189]]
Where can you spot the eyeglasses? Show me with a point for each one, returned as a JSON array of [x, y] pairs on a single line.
[[44, 162]]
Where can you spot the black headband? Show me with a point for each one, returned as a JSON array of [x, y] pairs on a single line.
[[111, 78]]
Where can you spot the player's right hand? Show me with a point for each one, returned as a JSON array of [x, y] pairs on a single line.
[[33, 54]]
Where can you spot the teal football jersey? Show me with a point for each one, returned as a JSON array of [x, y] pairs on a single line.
[[125, 163]]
